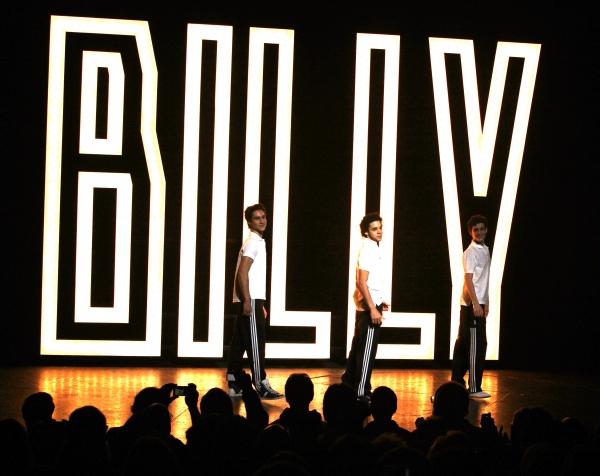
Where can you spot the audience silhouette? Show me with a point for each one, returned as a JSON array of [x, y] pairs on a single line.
[[299, 442]]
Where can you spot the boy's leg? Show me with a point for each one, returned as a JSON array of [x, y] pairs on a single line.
[[249, 336], [364, 384], [236, 351], [460, 356], [349, 376], [367, 349], [256, 342], [478, 354], [236, 346]]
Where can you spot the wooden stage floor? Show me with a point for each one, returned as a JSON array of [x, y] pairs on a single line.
[[112, 390]]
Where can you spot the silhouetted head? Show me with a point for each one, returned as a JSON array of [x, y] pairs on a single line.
[[452, 440], [15, 451], [405, 461], [287, 458], [273, 440], [87, 424], [156, 418], [339, 403], [222, 445], [37, 407], [150, 456], [387, 442], [452, 454], [542, 459], [145, 398], [531, 426], [573, 433], [299, 390], [451, 401], [384, 403], [216, 401], [350, 454]]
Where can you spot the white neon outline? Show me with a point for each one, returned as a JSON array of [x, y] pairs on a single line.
[[321, 321], [481, 149], [87, 182], [189, 202], [49, 344], [88, 143], [426, 321]]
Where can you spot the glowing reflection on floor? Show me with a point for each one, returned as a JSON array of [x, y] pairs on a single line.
[[112, 390]]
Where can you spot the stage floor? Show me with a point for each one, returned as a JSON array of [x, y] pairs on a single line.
[[112, 390]]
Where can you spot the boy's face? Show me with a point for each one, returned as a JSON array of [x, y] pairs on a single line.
[[258, 223], [478, 233], [375, 231]]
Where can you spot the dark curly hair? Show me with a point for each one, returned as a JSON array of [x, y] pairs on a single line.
[[367, 220], [476, 220]]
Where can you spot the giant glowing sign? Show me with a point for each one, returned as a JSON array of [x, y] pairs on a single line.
[[425, 321], [119, 312], [481, 147], [186, 345], [321, 321], [88, 143], [121, 182], [481, 141]]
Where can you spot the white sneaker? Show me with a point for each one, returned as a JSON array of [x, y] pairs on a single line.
[[481, 394]]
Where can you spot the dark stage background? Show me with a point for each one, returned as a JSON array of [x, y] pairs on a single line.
[[549, 318]]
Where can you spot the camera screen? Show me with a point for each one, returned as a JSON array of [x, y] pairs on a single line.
[[179, 391]]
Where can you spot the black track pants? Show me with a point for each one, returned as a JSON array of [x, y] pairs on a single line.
[[362, 353], [469, 349], [249, 336]]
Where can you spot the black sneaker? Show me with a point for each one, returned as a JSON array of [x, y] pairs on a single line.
[[267, 393], [234, 389]]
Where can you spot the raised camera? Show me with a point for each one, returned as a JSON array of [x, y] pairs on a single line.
[[179, 391]]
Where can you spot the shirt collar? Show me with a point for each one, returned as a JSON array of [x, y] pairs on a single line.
[[475, 245], [255, 236], [369, 242]]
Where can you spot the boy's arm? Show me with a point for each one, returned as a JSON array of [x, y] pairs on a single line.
[[486, 307], [363, 275], [244, 284], [477, 309]]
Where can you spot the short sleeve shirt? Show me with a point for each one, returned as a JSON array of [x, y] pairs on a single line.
[[476, 260], [255, 248], [370, 259]]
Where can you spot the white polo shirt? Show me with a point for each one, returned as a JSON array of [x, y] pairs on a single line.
[[370, 259], [476, 260], [254, 247]]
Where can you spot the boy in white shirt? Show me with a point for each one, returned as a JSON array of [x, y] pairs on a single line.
[[471, 343], [249, 294], [368, 298]]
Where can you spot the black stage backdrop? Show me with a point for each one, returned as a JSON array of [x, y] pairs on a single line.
[[550, 285]]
